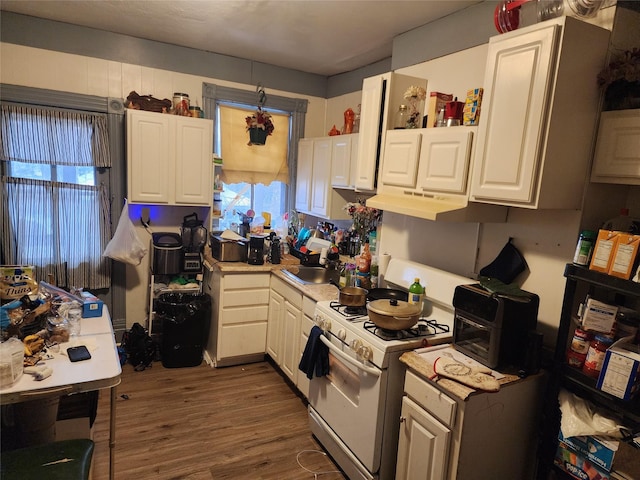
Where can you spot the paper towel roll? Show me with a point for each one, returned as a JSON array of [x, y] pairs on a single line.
[[383, 263]]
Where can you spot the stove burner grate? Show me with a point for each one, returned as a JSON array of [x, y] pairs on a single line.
[[424, 328], [350, 313]]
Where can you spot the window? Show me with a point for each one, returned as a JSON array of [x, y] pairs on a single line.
[[54, 212], [254, 177], [247, 192]]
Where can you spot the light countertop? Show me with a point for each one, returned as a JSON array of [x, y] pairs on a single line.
[[314, 291], [425, 369]]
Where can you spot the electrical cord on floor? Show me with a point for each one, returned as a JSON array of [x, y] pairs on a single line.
[[315, 474]]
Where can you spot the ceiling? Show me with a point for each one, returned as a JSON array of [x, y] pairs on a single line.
[[324, 37]]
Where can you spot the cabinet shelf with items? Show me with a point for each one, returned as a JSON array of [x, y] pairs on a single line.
[[580, 282], [216, 204]]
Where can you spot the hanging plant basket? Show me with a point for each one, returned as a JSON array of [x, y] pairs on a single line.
[[257, 136]]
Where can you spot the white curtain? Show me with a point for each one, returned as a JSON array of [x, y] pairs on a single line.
[[253, 163], [60, 228]]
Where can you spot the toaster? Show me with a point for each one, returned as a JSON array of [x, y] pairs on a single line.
[[225, 250]]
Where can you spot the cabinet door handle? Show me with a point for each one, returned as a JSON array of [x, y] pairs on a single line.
[[403, 419]]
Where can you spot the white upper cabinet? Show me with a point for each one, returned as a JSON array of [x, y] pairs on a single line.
[[169, 159], [444, 159], [401, 156], [426, 160], [315, 194], [341, 152], [424, 174], [381, 97], [617, 158], [370, 108], [303, 176], [538, 115], [321, 177]]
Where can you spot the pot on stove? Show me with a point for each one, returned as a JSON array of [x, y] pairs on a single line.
[[351, 296], [393, 314]]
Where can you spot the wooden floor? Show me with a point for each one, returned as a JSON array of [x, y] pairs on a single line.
[[201, 423]]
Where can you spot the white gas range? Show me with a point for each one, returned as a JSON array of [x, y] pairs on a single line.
[[354, 411]]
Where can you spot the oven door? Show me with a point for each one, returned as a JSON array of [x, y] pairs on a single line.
[[477, 339], [350, 400]]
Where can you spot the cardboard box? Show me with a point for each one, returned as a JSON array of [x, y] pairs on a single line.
[[577, 465], [599, 316], [91, 305], [620, 374], [624, 255], [471, 112], [603, 251], [437, 101], [599, 450]]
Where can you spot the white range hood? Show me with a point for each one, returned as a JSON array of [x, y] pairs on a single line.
[[446, 209]]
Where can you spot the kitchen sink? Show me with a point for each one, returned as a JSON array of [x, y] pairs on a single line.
[[313, 275]]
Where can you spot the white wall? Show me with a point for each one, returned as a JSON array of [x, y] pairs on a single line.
[[39, 68]]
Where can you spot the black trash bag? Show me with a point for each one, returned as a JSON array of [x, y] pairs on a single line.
[[139, 347], [507, 265], [185, 320]]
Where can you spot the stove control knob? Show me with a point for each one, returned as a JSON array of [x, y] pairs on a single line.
[[366, 353], [356, 345], [342, 334]]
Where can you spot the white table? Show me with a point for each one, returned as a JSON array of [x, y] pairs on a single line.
[[101, 371]]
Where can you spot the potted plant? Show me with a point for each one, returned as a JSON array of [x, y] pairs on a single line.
[[259, 126], [365, 219], [621, 81], [415, 96]]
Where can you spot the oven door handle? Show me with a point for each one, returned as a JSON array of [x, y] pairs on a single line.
[[346, 358]]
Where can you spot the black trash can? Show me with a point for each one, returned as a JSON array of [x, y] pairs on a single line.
[[185, 328]]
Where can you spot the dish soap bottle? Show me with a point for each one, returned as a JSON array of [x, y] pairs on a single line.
[[416, 292]]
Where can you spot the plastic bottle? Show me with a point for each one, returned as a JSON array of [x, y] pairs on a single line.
[[374, 271], [621, 223], [373, 242], [584, 249], [364, 260], [343, 276], [416, 292]]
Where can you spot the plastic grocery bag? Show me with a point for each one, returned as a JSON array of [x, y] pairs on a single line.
[[580, 418], [125, 246]]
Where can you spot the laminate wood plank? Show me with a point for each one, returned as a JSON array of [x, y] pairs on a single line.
[[201, 423]]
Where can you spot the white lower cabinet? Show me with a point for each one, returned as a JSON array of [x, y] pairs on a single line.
[[285, 315], [485, 435], [307, 323], [238, 331], [423, 446]]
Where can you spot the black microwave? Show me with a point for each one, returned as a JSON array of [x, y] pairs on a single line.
[[494, 329]]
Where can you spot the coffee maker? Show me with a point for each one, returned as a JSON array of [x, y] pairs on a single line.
[[256, 250]]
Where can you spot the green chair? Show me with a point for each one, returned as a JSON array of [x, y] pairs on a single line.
[[63, 460]]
